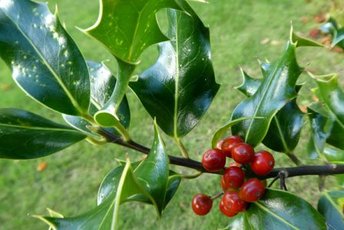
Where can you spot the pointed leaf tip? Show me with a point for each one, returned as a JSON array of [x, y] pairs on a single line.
[[127, 39], [273, 93]]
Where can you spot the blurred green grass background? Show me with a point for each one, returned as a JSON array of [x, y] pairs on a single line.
[[241, 33]]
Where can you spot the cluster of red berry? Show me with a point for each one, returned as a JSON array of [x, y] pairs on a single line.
[[237, 192]]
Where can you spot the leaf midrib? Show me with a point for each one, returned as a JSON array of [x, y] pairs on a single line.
[[263, 98], [56, 76], [280, 132], [275, 215], [176, 92], [37, 128], [136, 30]]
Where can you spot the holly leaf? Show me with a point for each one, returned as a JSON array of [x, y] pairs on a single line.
[[327, 116], [276, 90], [105, 215], [287, 124], [284, 131], [320, 127], [337, 32], [302, 42], [153, 172], [326, 138], [331, 206], [24, 135], [128, 28], [250, 85], [331, 95], [44, 59], [110, 183], [220, 133], [149, 183], [179, 88], [102, 86], [278, 210], [172, 186]]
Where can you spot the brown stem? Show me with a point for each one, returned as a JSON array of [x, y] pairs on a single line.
[[329, 169]]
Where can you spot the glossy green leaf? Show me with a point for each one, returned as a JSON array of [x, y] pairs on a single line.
[[284, 131], [81, 125], [285, 128], [327, 116], [276, 90], [110, 183], [179, 88], [331, 205], [326, 138], [320, 127], [105, 215], [24, 135], [331, 95], [153, 172], [149, 183], [172, 187], [334, 155], [220, 133], [108, 115], [278, 210], [102, 86], [301, 41], [45, 61], [250, 85], [128, 28]]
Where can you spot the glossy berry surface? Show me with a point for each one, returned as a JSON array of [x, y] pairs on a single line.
[[228, 143], [232, 178], [213, 160], [242, 153], [263, 162], [252, 190], [201, 204], [225, 210], [231, 203]]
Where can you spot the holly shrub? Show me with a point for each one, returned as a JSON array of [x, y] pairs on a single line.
[[176, 91]]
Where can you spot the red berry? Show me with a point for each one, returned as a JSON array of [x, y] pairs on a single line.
[[213, 160], [252, 190], [233, 178], [243, 153], [228, 144], [231, 204], [201, 204], [263, 162], [226, 211]]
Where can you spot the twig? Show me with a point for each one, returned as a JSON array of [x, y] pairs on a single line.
[[329, 169]]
